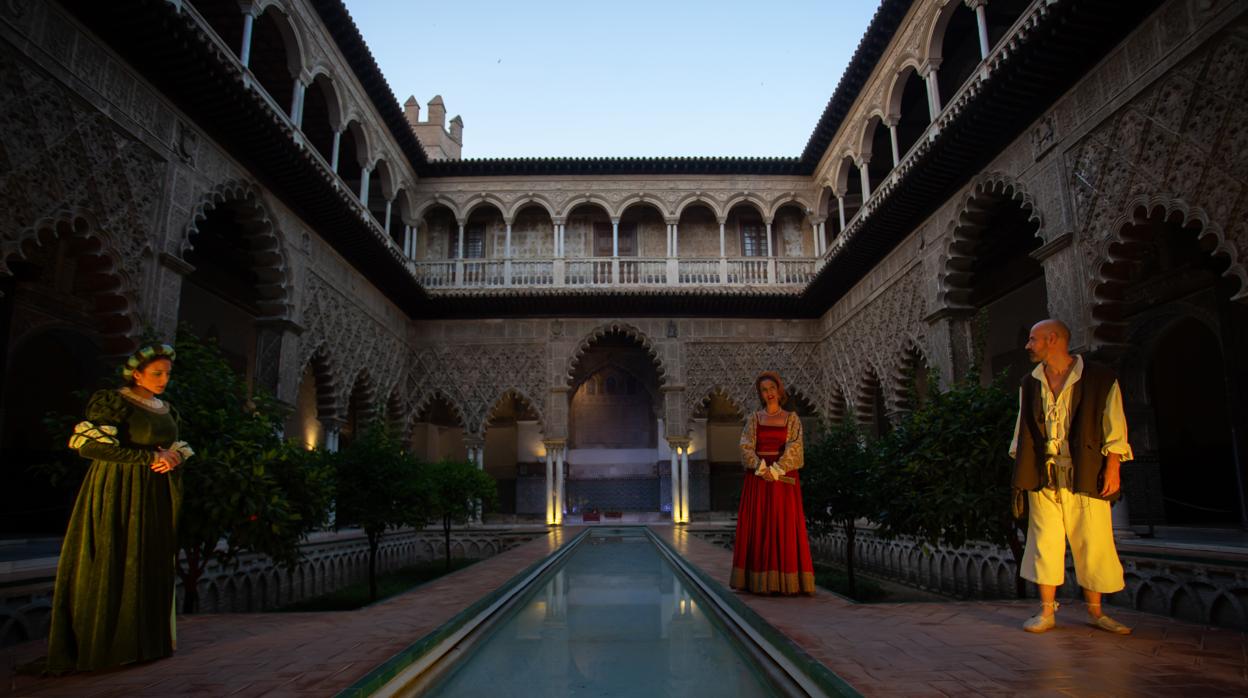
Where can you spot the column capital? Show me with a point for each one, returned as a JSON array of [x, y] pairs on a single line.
[[929, 66], [552, 444], [975, 4], [675, 442]]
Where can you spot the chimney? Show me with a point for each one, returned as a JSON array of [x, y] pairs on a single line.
[[411, 110], [457, 130], [437, 111]]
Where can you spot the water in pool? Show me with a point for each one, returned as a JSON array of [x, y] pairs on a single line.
[[614, 620]]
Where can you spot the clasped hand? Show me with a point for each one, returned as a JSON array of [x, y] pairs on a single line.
[[166, 460]]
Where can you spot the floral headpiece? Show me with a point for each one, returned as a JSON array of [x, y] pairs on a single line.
[[145, 355]]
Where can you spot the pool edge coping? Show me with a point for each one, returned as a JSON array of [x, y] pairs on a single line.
[[748, 619], [392, 668]]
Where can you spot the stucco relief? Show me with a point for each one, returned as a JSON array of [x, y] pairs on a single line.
[[59, 156], [730, 368], [472, 378], [1181, 144], [873, 339], [335, 325]]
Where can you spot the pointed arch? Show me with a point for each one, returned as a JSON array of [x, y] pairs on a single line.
[[968, 228], [1112, 274], [618, 328], [98, 276], [517, 394], [266, 247]]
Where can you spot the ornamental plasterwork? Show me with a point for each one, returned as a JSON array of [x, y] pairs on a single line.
[[472, 378], [874, 339], [64, 161], [352, 341], [729, 368], [1180, 145]]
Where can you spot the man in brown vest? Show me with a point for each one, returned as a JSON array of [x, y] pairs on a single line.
[[1069, 441]]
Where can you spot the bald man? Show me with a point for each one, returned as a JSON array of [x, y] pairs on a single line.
[[1069, 442]]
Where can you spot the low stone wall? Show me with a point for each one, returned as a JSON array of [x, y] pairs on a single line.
[[330, 561], [1199, 586]]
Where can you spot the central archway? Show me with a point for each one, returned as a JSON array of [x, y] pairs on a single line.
[[615, 425]]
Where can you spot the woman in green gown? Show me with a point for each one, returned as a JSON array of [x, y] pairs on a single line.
[[114, 594]]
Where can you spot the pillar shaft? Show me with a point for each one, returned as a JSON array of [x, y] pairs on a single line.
[[244, 53]]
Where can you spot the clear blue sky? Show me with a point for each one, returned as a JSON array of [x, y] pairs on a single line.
[[643, 77]]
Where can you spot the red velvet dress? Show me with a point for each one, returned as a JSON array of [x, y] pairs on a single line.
[[771, 554]]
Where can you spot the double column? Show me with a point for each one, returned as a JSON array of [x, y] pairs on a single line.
[[476, 455], [680, 479], [555, 452]]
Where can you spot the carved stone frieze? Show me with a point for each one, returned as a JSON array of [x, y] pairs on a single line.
[[472, 378]]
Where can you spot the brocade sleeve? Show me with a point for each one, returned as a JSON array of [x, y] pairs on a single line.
[[749, 441], [793, 458], [96, 438]]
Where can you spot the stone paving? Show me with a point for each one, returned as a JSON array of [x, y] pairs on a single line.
[[956, 648]]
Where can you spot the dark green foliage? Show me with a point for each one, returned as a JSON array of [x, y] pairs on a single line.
[[380, 486], [456, 488], [838, 485], [246, 489], [946, 469]]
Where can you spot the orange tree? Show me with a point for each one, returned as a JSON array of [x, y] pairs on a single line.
[[838, 484], [380, 486], [455, 488], [246, 489], [945, 469]]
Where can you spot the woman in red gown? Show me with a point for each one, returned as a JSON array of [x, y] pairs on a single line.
[[771, 554]]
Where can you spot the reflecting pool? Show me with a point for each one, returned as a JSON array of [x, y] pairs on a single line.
[[613, 620]]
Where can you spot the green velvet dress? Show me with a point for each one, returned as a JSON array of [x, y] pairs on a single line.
[[113, 600]]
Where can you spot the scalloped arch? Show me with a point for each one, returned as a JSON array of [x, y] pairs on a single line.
[[517, 394], [266, 248], [965, 230], [621, 328], [1110, 276], [114, 313]]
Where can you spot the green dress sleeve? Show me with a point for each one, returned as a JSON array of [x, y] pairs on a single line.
[[97, 437]]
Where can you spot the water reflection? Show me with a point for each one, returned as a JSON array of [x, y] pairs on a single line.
[[615, 620]]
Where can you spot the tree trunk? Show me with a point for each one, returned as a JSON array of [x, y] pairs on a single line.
[[190, 579], [849, 558], [374, 541], [446, 531]]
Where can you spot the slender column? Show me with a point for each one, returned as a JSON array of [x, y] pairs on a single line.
[[981, 19], [933, 93], [669, 240], [816, 232], [675, 240], [459, 246], [685, 506], [559, 475], [550, 484], [249, 22], [840, 210], [364, 175], [389, 208], [615, 238], [407, 241], [892, 137], [769, 239], [866, 182], [415, 238], [333, 161], [563, 239], [296, 103], [721, 239], [507, 243], [675, 486], [557, 231]]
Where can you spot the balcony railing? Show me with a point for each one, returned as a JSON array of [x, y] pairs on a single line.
[[619, 271]]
